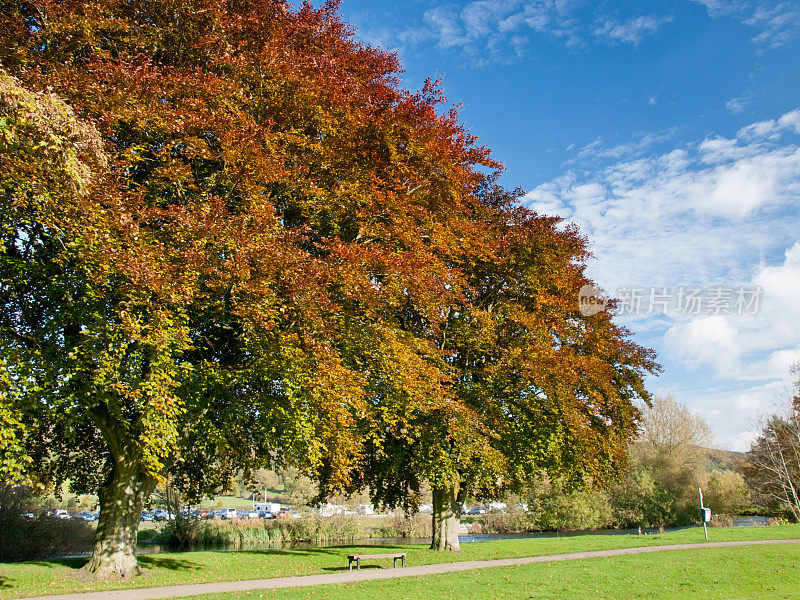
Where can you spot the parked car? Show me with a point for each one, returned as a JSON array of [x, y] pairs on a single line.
[[478, 510], [57, 513], [265, 514], [85, 515], [228, 513], [146, 516]]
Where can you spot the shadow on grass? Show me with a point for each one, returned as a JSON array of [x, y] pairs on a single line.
[[52, 563], [173, 564], [364, 567], [5, 582], [342, 550]]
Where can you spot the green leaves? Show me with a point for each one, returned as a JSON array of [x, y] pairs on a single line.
[[15, 462]]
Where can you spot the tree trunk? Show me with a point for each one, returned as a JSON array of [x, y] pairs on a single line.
[[122, 497], [447, 502]]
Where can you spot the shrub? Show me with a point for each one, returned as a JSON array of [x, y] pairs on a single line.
[[242, 533], [639, 501], [727, 492], [573, 510], [411, 526], [512, 522]]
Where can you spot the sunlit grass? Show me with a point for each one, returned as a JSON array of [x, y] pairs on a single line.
[[56, 576], [752, 572]]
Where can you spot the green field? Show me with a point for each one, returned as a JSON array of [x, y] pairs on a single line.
[[56, 576], [755, 572]]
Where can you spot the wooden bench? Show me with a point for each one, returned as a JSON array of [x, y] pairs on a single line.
[[357, 558]]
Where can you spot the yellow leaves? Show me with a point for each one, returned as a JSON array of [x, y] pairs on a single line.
[[37, 122]]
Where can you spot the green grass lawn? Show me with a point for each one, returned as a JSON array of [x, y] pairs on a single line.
[[708, 574], [56, 576]]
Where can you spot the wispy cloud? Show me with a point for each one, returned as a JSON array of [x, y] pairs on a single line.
[[632, 31], [496, 25], [597, 150], [490, 30], [737, 105], [778, 23], [721, 8]]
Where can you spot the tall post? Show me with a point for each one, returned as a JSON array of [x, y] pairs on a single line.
[[702, 513]]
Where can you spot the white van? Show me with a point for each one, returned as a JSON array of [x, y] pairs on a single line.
[[268, 507], [228, 513]]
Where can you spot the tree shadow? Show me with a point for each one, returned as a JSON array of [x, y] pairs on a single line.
[[346, 568], [339, 550], [173, 564], [73, 562], [5, 582]]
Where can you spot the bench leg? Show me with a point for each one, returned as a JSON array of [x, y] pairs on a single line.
[[350, 564], [358, 564], [403, 562]]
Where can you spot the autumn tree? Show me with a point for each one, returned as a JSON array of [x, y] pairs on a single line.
[[772, 467], [244, 205], [672, 447], [533, 387], [668, 463]]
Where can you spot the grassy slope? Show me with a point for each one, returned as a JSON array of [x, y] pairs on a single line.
[[710, 574], [722, 459], [55, 576]]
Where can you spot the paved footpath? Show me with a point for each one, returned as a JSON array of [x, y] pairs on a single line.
[[176, 591]]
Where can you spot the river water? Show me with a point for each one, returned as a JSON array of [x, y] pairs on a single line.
[[397, 541]]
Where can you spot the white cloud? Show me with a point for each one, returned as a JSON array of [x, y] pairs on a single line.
[[721, 212], [498, 30], [705, 340], [487, 31], [778, 22], [753, 346], [738, 105], [736, 416], [694, 215], [790, 121], [447, 26], [632, 31], [636, 147], [719, 8]]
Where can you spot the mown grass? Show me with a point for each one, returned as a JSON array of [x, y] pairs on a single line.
[[753, 572], [56, 576]]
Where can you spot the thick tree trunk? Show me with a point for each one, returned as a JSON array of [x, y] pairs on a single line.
[[122, 497], [447, 502]]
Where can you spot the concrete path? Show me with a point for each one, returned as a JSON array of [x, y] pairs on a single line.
[[175, 591]]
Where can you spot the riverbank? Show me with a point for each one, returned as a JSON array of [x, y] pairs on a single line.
[[38, 578]]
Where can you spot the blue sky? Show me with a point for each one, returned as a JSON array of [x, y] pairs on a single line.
[[670, 131]]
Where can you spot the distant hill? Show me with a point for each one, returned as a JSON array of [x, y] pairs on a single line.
[[723, 460]]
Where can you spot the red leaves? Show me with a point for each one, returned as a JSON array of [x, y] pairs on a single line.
[[268, 176]]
